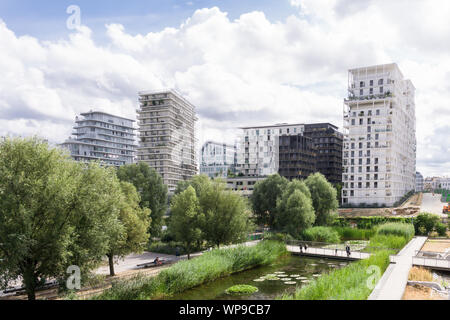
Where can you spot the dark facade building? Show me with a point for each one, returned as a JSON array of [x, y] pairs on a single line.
[[297, 156], [328, 144]]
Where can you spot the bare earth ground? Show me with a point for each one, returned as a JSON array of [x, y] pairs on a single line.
[[421, 293], [436, 245], [409, 208]]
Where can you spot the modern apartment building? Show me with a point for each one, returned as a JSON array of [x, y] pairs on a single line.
[[217, 159], [297, 156], [419, 182], [244, 185], [167, 135], [328, 142], [380, 136], [293, 150], [258, 149], [103, 137]]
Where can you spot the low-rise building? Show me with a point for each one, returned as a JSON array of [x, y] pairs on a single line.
[[244, 184]]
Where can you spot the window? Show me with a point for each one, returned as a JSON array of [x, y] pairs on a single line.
[[380, 82], [377, 136], [378, 112], [371, 82], [361, 121], [371, 90], [362, 84], [381, 89], [361, 92], [375, 185]]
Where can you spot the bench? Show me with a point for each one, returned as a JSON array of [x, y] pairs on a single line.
[[153, 264]]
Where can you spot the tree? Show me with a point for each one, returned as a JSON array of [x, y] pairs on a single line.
[[323, 196], [186, 219], [151, 189], [425, 223], [131, 235], [227, 216], [54, 212], [295, 211], [264, 198]]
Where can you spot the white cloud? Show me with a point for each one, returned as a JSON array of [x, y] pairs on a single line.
[[237, 72]]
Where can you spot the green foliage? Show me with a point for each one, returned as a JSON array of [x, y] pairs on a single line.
[[152, 190], [187, 219], [54, 212], [324, 198], [131, 234], [348, 233], [295, 212], [367, 222], [241, 289], [396, 229], [264, 198], [441, 229], [425, 223], [349, 283], [321, 234], [276, 236], [386, 242], [227, 215], [191, 273]]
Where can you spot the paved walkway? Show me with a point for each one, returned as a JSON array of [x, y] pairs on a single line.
[[393, 282], [432, 204], [328, 253], [130, 262]]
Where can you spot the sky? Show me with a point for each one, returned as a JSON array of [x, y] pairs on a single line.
[[241, 63]]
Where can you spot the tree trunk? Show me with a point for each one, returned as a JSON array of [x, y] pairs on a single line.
[[111, 265], [189, 255], [30, 283]]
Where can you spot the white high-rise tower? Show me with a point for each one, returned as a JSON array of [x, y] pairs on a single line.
[[379, 136]]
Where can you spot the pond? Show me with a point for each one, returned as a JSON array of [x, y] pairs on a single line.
[[287, 274]]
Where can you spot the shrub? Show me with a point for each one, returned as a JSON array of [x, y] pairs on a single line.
[[425, 223], [441, 229], [396, 229], [321, 234], [368, 222], [348, 233], [241, 289]]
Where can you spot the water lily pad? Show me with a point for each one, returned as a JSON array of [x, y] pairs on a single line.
[[302, 278], [271, 277], [306, 281], [259, 280], [290, 282], [279, 272], [241, 289], [313, 264], [294, 275], [287, 279]]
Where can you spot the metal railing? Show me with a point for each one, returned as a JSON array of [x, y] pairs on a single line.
[[330, 249], [425, 259]]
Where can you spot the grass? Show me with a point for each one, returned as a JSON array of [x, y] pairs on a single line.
[[191, 273], [321, 234], [386, 242], [241, 289], [348, 233], [349, 283], [420, 274], [397, 229]]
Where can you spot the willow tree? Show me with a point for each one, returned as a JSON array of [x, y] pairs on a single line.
[[54, 212]]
